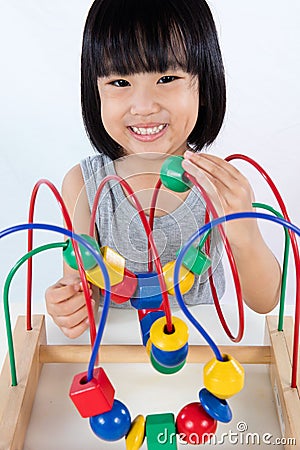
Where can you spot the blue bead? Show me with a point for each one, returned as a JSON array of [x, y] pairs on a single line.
[[216, 407], [172, 358], [163, 369], [112, 425], [147, 322], [148, 293]]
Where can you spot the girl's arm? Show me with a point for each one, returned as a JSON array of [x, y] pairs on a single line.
[[230, 192], [65, 299]]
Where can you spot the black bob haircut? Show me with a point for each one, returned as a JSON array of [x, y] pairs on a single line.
[[135, 36]]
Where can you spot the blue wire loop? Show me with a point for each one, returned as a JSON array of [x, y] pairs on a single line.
[[98, 258], [106, 302], [192, 239]]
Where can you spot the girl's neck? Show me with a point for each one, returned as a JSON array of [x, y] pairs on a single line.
[[141, 173], [144, 165]]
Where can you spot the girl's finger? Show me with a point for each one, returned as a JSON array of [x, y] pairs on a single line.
[[72, 320], [68, 306], [228, 192], [217, 169], [59, 293], [77, 330], [207, 183], [220, 161]]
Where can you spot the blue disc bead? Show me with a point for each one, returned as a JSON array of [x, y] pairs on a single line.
[[216, 407], [112, 425], [164, 369], [172, 358]]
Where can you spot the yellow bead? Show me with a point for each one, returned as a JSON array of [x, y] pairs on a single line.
[[148, 346], [136, 434], [223, 378], [113, 259], [115, 265], [186, 278], [169, 342]]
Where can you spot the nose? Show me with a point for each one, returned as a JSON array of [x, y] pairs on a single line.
[[143, 102]]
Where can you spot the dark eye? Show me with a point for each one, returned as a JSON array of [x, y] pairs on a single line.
[[120, 83], [167, 79]]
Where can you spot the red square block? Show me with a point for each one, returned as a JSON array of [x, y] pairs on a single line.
[[93, 397]]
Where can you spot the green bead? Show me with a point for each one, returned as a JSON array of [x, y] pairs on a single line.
[[195, 260], [171, 175], [87, 258], [166, 370], [161, 432]]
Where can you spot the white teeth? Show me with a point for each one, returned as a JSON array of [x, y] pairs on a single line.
[[144, 131]]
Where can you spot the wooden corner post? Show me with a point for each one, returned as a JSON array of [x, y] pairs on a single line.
[[287, 399], [16, 401]]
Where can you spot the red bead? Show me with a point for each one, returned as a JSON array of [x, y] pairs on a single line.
[[194, 424], [94, 397], [122, 292]]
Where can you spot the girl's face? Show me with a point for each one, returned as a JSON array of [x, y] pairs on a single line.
[[150, 112]]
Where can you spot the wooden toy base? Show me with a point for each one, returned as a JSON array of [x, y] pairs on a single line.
[[32, 351]]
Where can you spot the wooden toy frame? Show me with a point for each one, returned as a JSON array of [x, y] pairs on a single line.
[[32, 351]]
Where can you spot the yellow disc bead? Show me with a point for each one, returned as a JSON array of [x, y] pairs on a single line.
[[136, 435], [160, 337], [186, 278], [223, 378]]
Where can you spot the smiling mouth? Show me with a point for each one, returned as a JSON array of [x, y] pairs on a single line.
[[148, 131]]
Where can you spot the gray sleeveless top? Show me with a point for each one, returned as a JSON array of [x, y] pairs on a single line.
[[119, 226]]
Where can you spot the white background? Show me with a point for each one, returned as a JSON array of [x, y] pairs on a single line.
[[42, 134]]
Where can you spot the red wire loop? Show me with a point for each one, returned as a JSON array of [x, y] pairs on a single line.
[[151, 244], [230, 256], [211, 209], [152, 250], [151, 219], [296, 257], [76, 251]]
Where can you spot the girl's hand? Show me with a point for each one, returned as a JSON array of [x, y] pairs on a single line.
[[66, 305], [229, 191]]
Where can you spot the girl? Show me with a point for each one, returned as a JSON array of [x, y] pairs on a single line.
[[153, 86]]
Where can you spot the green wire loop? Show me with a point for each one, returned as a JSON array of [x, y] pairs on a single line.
[[285, 260], [6, 304], [64, 244], [284, 265]]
